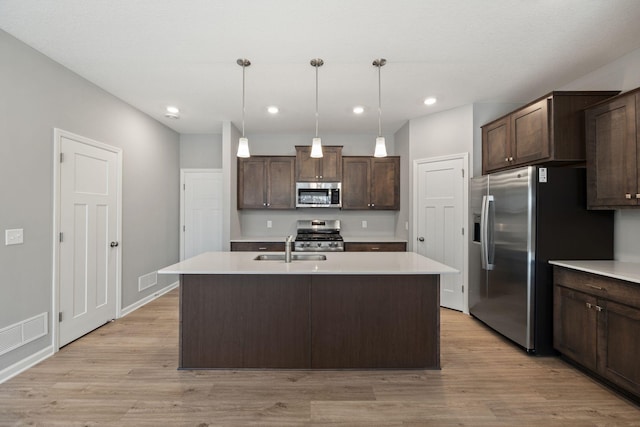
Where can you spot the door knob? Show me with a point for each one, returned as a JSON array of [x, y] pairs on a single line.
[[114, 244], [420, 239]]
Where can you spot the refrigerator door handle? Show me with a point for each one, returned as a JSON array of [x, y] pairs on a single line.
[[486, 233]]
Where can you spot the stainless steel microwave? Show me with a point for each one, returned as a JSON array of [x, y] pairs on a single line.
[[318, 195]]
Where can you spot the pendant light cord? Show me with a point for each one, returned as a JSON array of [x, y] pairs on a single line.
[[379, 100], [316, 100], [243, 69]]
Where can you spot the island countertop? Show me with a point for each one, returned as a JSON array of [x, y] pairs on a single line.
[[362, 263]]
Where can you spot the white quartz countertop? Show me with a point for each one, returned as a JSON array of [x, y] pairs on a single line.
[[351, 239], [336, 263], [629, 271]]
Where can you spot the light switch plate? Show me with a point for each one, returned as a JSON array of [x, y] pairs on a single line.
[[269, 223], [364, 224], [14, 236]]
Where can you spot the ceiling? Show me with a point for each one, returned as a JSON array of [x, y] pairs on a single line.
[[154, 53]]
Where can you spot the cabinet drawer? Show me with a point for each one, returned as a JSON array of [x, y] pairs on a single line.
[[375, 247], [257, 246], [621, 291]]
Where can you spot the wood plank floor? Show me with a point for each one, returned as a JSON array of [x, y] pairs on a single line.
[[124, 374]]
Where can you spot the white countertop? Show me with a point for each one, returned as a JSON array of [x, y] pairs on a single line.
[[629, 271], [351, 239], [336, 263]]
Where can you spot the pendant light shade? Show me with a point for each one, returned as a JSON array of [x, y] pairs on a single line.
[[316, 144], [243, 143], [243, 148], [381, 147]]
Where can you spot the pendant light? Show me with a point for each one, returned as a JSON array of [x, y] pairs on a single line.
[[316, 144], [381, 148], [243, 143]]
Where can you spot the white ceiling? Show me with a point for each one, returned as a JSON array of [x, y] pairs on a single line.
[[154, 53]]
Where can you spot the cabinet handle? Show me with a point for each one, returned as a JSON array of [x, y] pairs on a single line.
[[506, 159], [262, 249], [598, 308], [320, 176], [268, 205], [627, 196], [589, 305], [637, 196], [375, 249], [511, 159], [264, 204], [593, 286], [373, 204]]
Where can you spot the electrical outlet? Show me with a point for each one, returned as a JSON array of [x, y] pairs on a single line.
[[14, 236], [364, 224], [269, 223]]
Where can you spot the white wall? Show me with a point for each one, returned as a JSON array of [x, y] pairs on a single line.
[[622, 74], [201, 151], [36, 96]]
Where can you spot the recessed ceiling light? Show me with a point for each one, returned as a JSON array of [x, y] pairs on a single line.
[[172, 112], [358, 110], [273, 109], [430, 101]]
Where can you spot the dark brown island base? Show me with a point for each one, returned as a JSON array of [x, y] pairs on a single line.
[[349, 311]]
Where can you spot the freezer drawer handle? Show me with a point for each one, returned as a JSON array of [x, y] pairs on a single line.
[[594, 286]]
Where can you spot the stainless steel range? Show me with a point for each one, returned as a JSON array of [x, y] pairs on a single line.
[[318, 235]]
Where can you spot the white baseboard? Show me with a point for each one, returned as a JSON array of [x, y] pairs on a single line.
[[21, 366], [136, 305]]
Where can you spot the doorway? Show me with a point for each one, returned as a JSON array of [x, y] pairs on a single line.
[[87, 230], [201, 200], [440, 215]]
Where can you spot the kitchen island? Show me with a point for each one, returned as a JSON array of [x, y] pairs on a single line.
[[350, 311]]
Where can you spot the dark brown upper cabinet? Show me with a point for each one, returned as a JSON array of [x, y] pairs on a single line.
[[371, 183], [328, 168], [612, 139], [266, 182], [545, 131]]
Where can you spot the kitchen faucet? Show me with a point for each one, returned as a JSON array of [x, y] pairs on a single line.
[[287, 248]]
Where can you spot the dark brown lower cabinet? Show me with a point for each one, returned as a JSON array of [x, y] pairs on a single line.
[[597, 325], [375, 246], [309, 321]]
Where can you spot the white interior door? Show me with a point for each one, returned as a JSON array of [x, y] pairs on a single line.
[[88, 251], [201, 211], [440, 233]]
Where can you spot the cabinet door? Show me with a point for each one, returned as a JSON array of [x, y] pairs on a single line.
[[356, 175], [496, 146], [307, 168], [281, 183], [252, 177], [331, 170], [325, 169], [619, 345], [612, 178], [530, 134], [385, 183], [575, 325]]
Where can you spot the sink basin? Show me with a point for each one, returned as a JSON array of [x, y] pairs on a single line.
[[294, 257]]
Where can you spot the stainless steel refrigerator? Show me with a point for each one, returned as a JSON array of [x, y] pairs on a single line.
[[522, 218]]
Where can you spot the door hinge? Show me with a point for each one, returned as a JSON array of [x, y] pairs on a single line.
[[184, 186], [463, 289], [59, 316], [61, 237], [462, 172], [463, 231], [61, 157], [184, 228]]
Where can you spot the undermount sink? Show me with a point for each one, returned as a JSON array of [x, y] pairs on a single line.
[[294, 257]]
